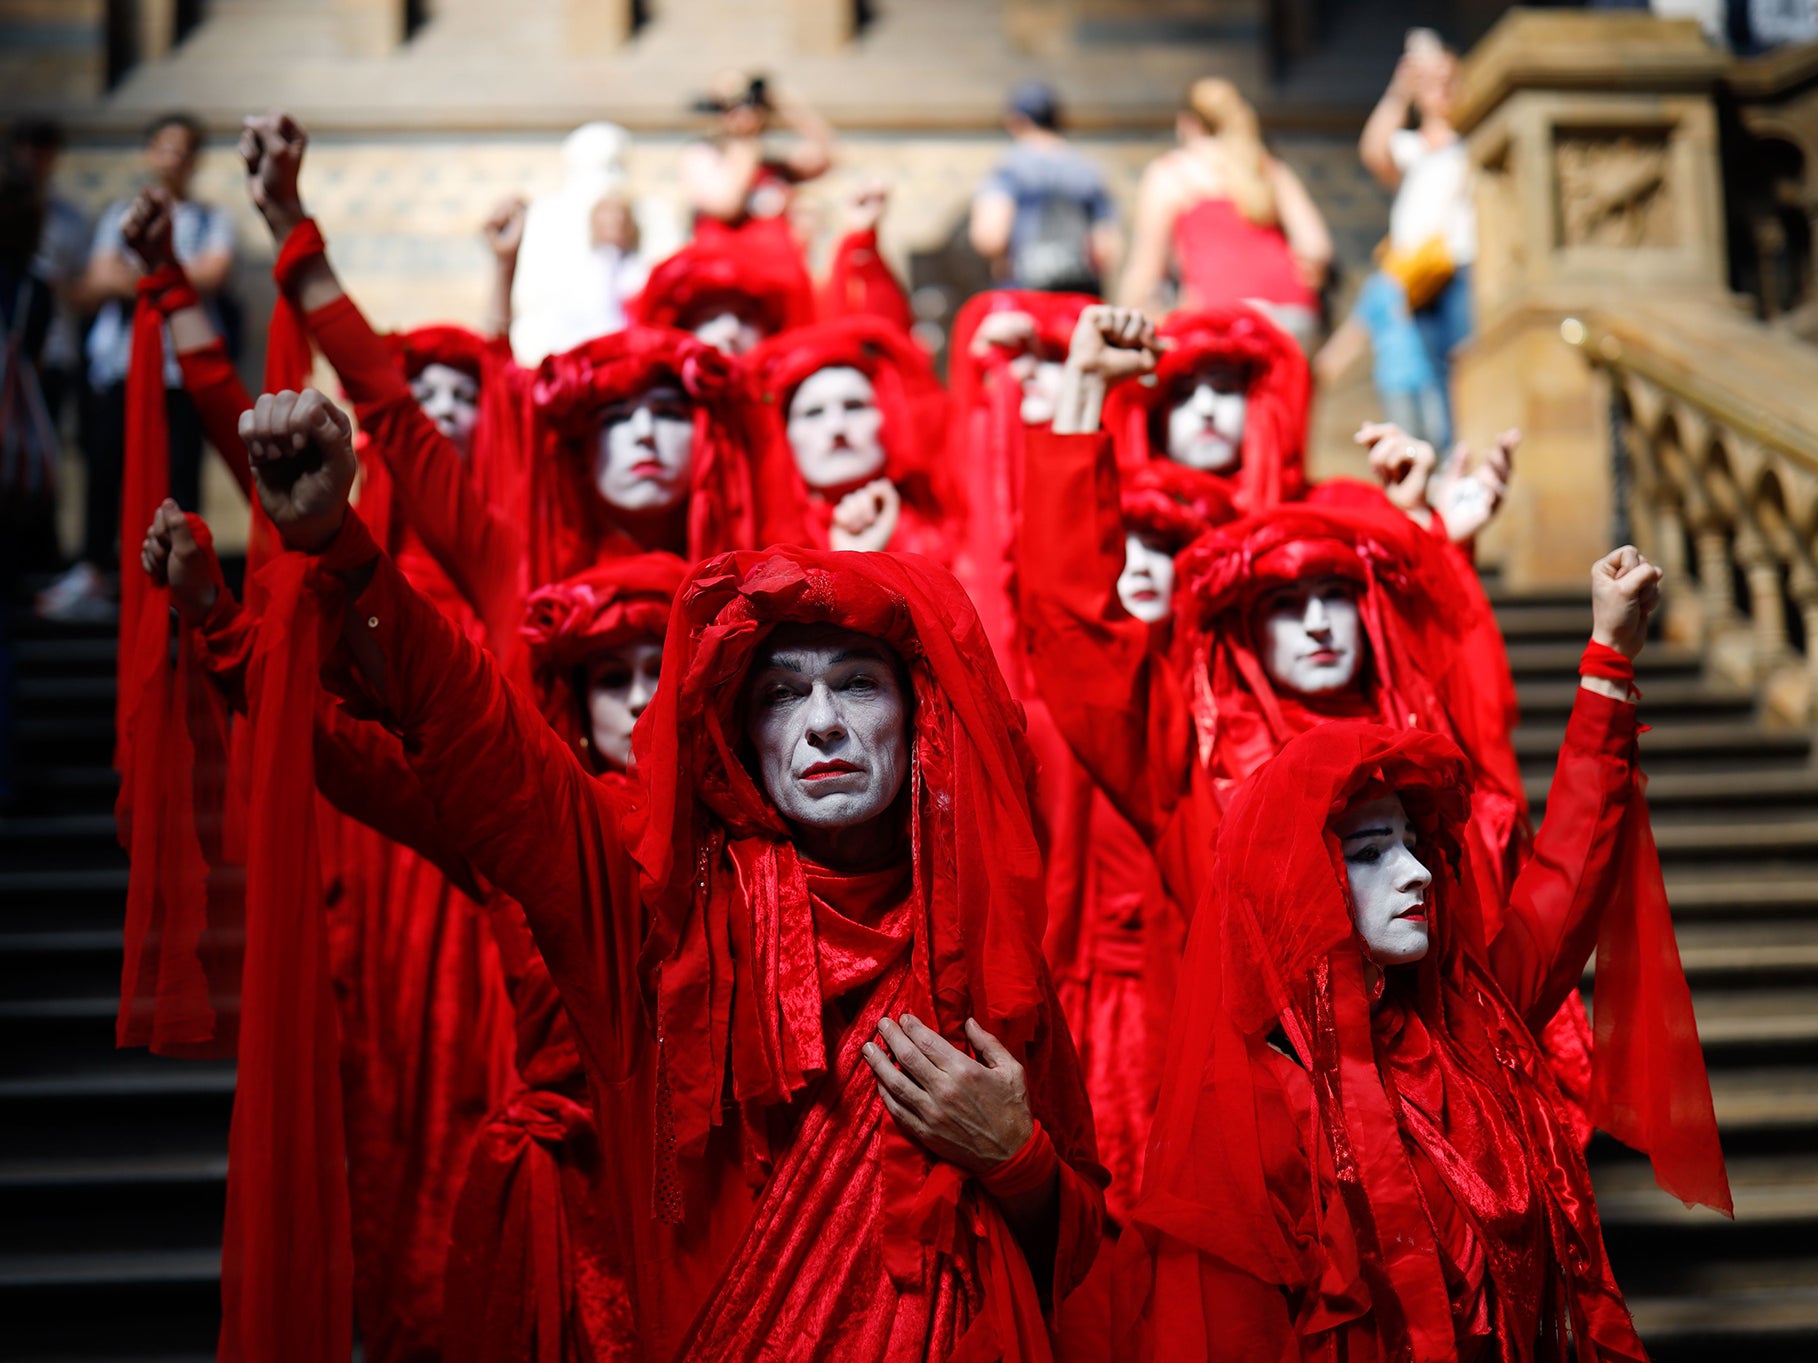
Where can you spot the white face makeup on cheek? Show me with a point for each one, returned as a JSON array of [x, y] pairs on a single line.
[[727, 331], [1311, 638], [1041, 381], [829, 720], [620, 683], [1146, 586], [1206, 422], [449, 397], [835, 429], [644, 456], [1388, 881]]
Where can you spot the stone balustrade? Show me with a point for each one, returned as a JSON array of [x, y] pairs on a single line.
[[1715, 438]]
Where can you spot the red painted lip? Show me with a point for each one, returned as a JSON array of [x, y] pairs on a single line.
[[1415, 914], [1325, 656], [1146, 594], [820, 771], [649, 468]]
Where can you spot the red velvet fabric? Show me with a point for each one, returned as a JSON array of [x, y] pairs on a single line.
[[914, 409], [1279, 390], [1347, 1172], [742, 1220], [758, 270], [728, 506]]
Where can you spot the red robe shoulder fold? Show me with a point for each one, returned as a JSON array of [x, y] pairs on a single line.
[[1341, 1171], [766, 1194]]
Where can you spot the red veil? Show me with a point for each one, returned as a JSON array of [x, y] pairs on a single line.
[[759, 269], [910, 397], [1313, 1205], [1279, 390], [985, 448], [736, 932], [570, 527]]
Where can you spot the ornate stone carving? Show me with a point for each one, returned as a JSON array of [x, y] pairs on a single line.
[[1615, 189]]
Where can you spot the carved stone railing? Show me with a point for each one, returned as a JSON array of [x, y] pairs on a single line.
[[1715, 432]]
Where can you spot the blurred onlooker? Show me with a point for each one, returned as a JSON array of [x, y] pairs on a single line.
[[203, 236], [1406, 383], [734, 177], [62, 256], [1236, 223], [579, 263], [1433, 224], [1043, 217], [27, 441]]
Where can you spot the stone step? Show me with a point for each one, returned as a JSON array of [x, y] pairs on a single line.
[[49, 786], [1758, 1021], [1757, 952], [1767, 1191], [1678, 747], [75, 899], [147, 1306], [55, 964], [1671, 697], [1709, 795], [1558, 660], [1790, 836], [1544, 621], [1767, 1107], [1725, 893], [162, 1107], [1769, 1323], [53, 840]]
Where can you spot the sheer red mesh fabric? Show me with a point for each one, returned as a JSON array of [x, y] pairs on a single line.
[[1171, 504], [909, 397], [1278, 386], [570, 525], [759, 274], [1353, 1256]]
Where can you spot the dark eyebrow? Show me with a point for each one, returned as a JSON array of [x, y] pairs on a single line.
[[862, 652], [784, 662], [1367, 833]]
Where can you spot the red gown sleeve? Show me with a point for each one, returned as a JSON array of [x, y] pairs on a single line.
[[859, 283], [503, 786], [1120, 712], [1555, 906], [482, 552], [213, 384]]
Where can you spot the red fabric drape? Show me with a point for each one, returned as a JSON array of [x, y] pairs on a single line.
[[759, 271], [860, 284]]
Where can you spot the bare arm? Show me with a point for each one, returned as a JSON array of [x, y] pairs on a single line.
[[1388, 118], [272, 147], [209, 271], [993, 213], [1302, 224], [718, 179], [1157, 204], [504, 233], [812, 156]]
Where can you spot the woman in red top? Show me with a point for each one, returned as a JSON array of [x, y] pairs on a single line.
[[1236, 224], [815, 868], [854, 410], [1358, 1153], [536, 1266]]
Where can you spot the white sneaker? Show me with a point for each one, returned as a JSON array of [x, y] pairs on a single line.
[[79, 596]]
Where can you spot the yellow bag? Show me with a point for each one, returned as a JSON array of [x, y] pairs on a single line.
[[1421, 272]]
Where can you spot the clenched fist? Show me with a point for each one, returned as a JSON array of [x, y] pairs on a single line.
[[272, 145], [1625, 589], [146, 228], [1113, 343], [866, 519], [301, 449], [173, 557]]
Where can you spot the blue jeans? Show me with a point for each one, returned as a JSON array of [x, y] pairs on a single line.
[[1444, 324]]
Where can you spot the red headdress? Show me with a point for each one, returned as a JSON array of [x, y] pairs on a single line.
[[985, 446], [570, 524], [773, 285], [1240, 718], [1279, 388], [1340, 1233], [614, 602], [1173, 504], [909, 396]]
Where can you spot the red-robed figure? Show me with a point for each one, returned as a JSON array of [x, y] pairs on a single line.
[[1360, 1153], [804, 971]]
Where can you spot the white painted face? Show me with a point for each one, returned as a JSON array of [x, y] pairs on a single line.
[[1310, 636], [1146, 585], [1041, 383], [829, 719], [449, 397], [727, 330], [644, 456], [1206, 420], [1388, 881], [620, 683], [835, 429]]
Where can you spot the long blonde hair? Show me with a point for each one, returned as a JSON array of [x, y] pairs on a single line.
[[1225, 114]]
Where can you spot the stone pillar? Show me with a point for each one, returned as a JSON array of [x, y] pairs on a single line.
[[370, 28], [822, 28], [595, 28], [1593, 139]]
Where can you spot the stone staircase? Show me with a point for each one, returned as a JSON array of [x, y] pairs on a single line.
[[112, 1163], [1735, 810]]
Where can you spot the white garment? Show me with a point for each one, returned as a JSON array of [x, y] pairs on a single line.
[[1435, 196], [567, 289]]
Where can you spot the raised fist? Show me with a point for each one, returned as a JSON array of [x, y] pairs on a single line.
[[301, 449], [1625, 590], [146, 228], [504, 227], [1113, 343], [1402, 464], [1009, 330], [865, 209], [1466, 498], [173, 557], [866, 519], [272, 145]]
